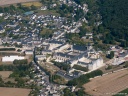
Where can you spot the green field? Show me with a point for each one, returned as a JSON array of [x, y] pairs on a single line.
[[28, 4], [47, 12]]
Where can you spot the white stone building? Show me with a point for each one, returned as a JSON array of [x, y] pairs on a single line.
[[91, 60], [95, 64], [29, 52], [12, 58], [40, 57]]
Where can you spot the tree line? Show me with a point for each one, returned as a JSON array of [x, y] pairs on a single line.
[[18, 8], [7, 49], [115, 23], [84, 78]]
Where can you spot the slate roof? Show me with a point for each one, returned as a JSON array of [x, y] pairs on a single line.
[[1, 28], [55, 42], [79, 48], [64, 55], [82, 63]]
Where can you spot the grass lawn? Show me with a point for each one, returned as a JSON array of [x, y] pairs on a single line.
[[28, 4], [49, 68], [60, 80], [47, 12], [46, 32], [5, 74]]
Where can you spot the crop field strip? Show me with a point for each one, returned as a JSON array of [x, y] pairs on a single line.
[[8, 2], [108, 85]]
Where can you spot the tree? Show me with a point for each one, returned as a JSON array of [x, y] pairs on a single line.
[[6, 9], [126, 64], [80, 92], [33, 7], [19, 5], [111, 55], [17, 62], [42, 1], [67, 92], [63, 66], [83, 30], [12, 7], [44, 60], [1, 10], [19, 50], [78, 67], [108, 67], [84, 78], [114, 18]]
